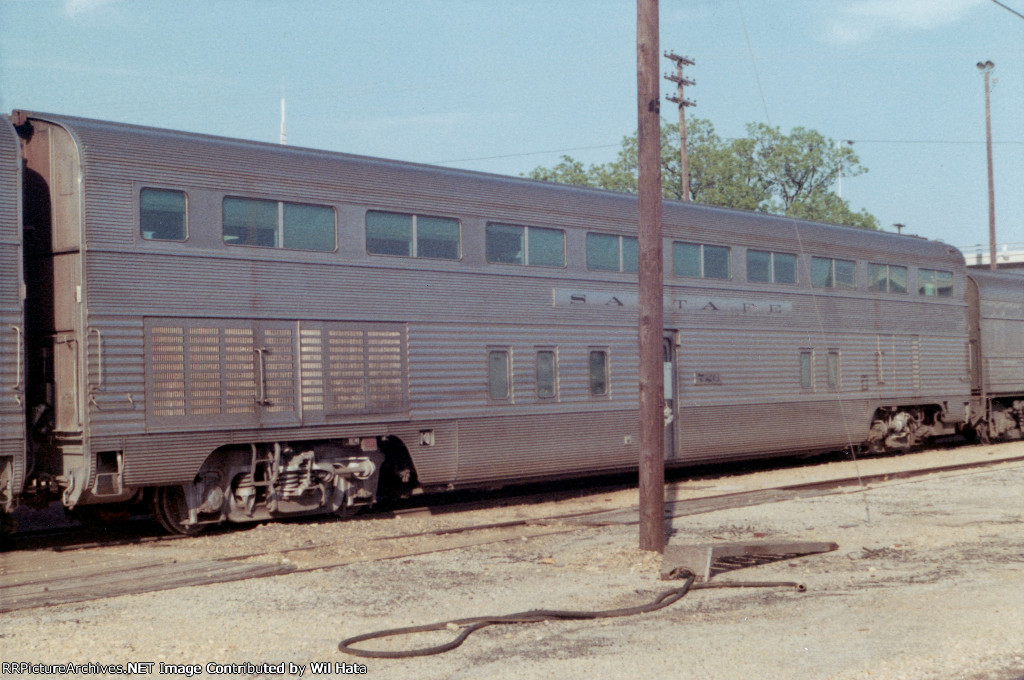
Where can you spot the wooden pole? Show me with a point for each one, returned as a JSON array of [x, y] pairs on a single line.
[[652, 392]]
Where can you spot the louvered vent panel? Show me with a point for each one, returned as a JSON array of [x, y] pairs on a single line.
[[346, 376], [239, 371], [204, 372], [279, 365], [384, 369], [168, 362], [311, 353], [209, 372]]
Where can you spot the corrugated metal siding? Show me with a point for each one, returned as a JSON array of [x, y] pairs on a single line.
[[12, 323], [506, 448], [448, 369]]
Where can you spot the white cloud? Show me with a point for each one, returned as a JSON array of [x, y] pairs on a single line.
[[861, 20], [73, 8]]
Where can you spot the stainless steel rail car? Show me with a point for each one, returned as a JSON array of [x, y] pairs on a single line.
[[237, 330], [997, 343], [12, 326]]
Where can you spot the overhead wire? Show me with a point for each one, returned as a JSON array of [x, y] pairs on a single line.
[[1009, 9], [757, 73]]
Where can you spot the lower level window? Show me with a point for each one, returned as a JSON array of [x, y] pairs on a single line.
[[598, 372], [499, 375], [546, 374], [807, 369], [834, 381]]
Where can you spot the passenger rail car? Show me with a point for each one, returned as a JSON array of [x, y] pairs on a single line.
[[236, 331]]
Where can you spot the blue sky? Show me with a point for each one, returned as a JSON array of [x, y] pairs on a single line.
[[506, 86]]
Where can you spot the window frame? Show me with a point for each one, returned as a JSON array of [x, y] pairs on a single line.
[[185, 211], [833, 282], [772, 269], [623, 257], [874, 267], [834, 370], [507, 395], [414, 235], [933, 274], [280, 225], [553, 353], [702, 260], [524, 240], [605, 377], [807, 369]]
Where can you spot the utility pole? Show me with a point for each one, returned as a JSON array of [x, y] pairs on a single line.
[[652, 302], [839, 171], [986, 67], [678, 98]]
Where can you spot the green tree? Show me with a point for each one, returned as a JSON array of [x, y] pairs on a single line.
[[766, 171]]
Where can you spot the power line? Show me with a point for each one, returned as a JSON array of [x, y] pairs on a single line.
[[1009, 9], [931, 141], [528, 153], [612, 146], [757, 74]]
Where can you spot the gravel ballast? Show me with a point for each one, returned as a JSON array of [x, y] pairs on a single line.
[[927, 582]]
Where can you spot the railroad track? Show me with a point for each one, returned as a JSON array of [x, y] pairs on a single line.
[[58, 575]]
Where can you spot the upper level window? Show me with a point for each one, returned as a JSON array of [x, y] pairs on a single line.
[[887, 278], [609, 253], [769, 267], [535, 246], [389, 233], [829, 273], [934, 283], [701, 261], [276, 224], [163, 215]]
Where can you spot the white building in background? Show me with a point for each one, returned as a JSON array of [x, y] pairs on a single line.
[[1008, 255]]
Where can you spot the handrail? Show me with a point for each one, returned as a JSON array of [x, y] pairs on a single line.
[[99, 356]]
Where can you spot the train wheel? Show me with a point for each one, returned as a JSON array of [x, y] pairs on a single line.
[[171, 510]]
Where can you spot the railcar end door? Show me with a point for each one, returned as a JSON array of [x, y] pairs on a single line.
[[668, 356]]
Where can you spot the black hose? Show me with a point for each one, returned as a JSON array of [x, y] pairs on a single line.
[[472, 624]]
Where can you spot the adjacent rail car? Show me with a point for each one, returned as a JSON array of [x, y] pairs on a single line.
[[12, 325], [236, 331], [997, 342]]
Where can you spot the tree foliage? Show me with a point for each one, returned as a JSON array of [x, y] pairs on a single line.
[[766, 171]]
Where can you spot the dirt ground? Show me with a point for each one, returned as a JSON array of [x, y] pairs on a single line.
[[927, 583]]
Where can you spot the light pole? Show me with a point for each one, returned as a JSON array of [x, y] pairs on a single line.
[[839, 172], [986, 68]]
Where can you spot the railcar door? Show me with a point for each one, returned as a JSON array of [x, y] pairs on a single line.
[[668, 357], [54, 288]]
